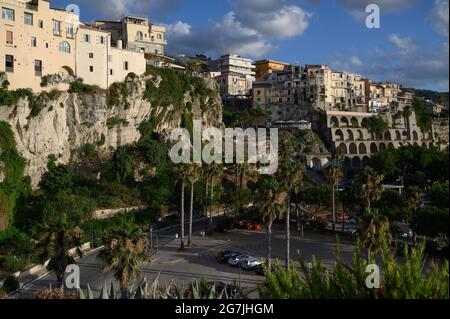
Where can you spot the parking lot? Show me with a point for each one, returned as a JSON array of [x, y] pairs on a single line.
[[200, 261]]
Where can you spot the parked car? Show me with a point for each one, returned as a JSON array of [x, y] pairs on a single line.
[[261, 270], [236, 261], [249, 225], [250, 264], [224, 256]]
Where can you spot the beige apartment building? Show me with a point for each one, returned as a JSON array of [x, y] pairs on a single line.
[[36, 40], [39, 41], [136, 34], [101, 64], [237, 75]]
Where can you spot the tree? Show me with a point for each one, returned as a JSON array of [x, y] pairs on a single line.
[[183, 175], [374, 229], [376, 125], [268, 191], [193, 176], [290, 178], [370, 187], [215, 173], [123, 254], [334, 175], [55, 241]]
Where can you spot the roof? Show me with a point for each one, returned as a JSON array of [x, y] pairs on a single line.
[[88, 27], [270, 61]]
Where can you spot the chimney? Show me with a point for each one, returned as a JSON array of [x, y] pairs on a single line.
[[119, 44]]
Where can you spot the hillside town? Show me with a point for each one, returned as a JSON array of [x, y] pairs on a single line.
[[86, 109]]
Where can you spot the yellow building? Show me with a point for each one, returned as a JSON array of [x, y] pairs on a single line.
[[266, 67], [36, 40], [100, 64]]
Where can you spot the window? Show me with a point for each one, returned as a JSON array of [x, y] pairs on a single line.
[[41, 24], [159, 36], [102, 40], [37, 68], [33, 42], [111, 72], [9, 63], [9, 37], [91, 68], [64, 47], [8, 14], [87, 38], [28, 18], [125, 65], [69, 30], [56, 27], [91, 55], [139, 36]]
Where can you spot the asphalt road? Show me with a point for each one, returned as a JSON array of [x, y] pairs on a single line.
[[199, 262]]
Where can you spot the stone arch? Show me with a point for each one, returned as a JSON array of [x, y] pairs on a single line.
[[355, 122], [405, 135], [415, 136], [366, 161], [430, 145], [383, 147], [398, 135], [362, 148], [356, 162], [350, 135], [416, 144], [316, 163], [353, 149], [424, 145], [343, 148], [339, 135], [391, 146], [388, 136], [347, 163], [66, 70], [360, 135], [373, 148], [334, 122], [400, 144], [344, 122]]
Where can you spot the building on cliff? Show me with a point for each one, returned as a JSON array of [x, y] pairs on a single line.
[[40, 42]]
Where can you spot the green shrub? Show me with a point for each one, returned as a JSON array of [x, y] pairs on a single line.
[[14, 263], [114, 122], [5, 84], [118, 94], [102, 140], [44, 82], [90, 150], [132, 75], [81, 88]]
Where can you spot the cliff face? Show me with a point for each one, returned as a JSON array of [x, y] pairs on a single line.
[[68, 121]]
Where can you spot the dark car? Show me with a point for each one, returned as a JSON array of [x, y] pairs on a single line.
[[261, 270], [224, 256]]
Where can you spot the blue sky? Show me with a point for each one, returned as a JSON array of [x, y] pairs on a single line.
[[411, 47]]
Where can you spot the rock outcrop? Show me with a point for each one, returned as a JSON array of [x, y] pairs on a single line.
[[68, 121]]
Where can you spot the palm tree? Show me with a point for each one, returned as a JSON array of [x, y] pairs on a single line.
[[206, 177], [370, 187], [182, 174], [193, 67], [269, 189], [193, 175], [374, 231], [55, 242], [216, 173], [334, 175], [123, 254]]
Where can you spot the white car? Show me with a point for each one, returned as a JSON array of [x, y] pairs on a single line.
[[250, 263], [236, 261]]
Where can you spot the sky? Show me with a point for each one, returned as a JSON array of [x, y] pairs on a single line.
[[410, 47]]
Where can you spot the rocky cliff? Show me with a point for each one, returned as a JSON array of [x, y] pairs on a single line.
[[62, 123]]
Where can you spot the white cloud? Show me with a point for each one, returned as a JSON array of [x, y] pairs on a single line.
[[272, 17], [355, 60], [439, 16], [404, 44], [249, 29]]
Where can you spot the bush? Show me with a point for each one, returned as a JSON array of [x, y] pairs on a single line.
[[81, 88], [14, 263], [11, 284], [5, 84], [114, 122], [90, 150], [132, 75]]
